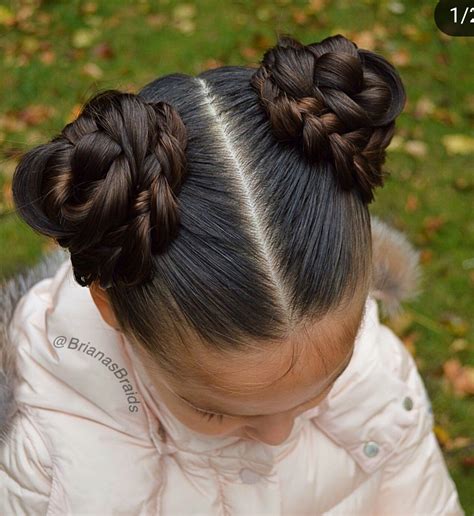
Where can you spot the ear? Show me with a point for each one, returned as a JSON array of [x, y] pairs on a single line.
[[101, 300]]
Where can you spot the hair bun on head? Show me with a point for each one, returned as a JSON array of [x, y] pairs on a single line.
[[336, 100], [105, 188]]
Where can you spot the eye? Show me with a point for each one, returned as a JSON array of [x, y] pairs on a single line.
[[209, 415]]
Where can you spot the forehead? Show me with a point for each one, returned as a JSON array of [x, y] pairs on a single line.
[[274, 369]]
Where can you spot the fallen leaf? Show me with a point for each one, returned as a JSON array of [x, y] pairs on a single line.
[[7, 18], [413, 33], [88, 8], [401, 57], [461, 378], [468, 264], [446, 116], [424, 107], [442, 435], [84, 38], [184, 11], [156, 20], [431, 225], [455, 324], [36, 114], [459, 442], [463, 184], [211, 63], [364, 39], [299, 16], [314, 6], [426, 256], [458, 143], [103, 51], [249, 53], [92, 70], [416, 148], [459, 345], [468, 462], [396, 7], [48, 57], [411, 203], [442, 58]]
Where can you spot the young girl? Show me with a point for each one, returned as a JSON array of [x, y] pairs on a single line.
[[226, 356]]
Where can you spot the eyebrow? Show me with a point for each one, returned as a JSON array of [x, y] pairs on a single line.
[[218, 412]]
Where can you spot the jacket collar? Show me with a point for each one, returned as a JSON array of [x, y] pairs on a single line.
[[395, 276]]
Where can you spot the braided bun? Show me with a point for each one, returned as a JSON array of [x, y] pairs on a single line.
[[105, 188], [339, 102]]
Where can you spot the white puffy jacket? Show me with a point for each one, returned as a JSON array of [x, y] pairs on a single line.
[[84, 433]]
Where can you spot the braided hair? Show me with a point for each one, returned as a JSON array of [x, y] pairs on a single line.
[[337, 101], [108, 187], [232, 206]]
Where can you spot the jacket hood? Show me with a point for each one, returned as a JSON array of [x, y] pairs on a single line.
[[395, 278]]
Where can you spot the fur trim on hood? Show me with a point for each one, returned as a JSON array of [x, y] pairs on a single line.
[[395, 277]]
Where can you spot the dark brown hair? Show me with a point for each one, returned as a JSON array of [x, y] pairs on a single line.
[[231, 206]]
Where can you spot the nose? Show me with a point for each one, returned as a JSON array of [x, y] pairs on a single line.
[[272, 430]]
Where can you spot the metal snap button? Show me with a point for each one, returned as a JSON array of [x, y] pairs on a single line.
[[408, 403], [249, 476], [371, 449]]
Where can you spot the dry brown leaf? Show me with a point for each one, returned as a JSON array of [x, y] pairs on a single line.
[[103, 51], [156, 20], [432, 225], [299, 16], [92, 70], [446, 116], [413, 33], [459, 442], [249, 53], [88, 8], [411, 203], [401, 57], [468, 462], [426, 256], [314, 6], [364, 39], [424, 107], [460, 377], [48, 57], [36, 114]]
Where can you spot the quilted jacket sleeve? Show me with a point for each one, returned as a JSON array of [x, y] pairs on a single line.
[[417, 482], [25, 469], [415, 478]]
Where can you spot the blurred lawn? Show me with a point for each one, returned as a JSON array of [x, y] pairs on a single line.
[[56, 54]]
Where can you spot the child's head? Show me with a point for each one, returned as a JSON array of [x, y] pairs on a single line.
[[226, 217]]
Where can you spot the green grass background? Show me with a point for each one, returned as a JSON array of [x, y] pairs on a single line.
[[55, 54]]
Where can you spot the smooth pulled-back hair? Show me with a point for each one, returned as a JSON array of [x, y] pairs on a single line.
[[231, 206]]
